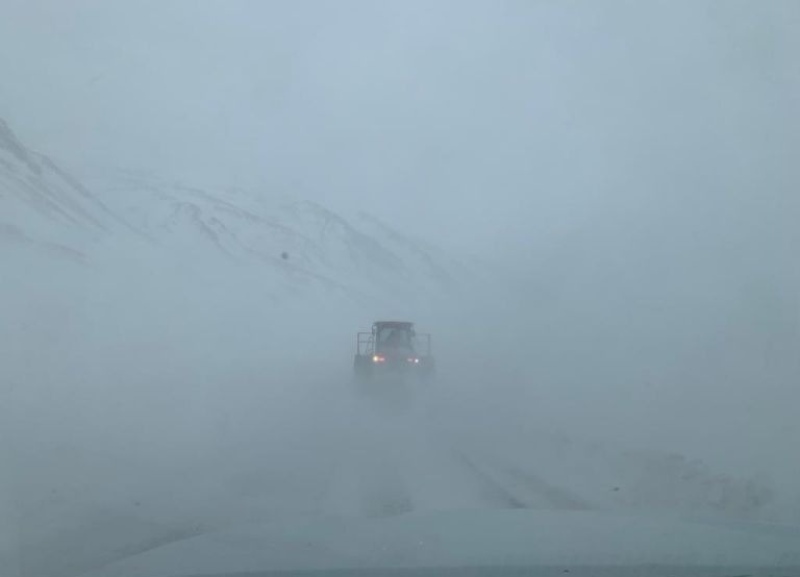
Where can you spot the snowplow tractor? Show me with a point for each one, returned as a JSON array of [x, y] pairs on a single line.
[[393, 349]]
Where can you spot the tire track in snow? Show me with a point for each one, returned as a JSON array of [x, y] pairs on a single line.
[[365, 491], [525, 489], [369, 480], [383, 493], [491, 489], [558, 498], [392, 464]]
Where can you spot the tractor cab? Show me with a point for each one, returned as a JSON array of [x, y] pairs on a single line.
[[394, 338]]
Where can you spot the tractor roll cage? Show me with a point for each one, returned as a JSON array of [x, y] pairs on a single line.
[[365, 344]]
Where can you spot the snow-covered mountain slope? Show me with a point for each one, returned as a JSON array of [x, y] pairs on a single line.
[[287, 244], [42, 207], [425, 260], [298, 237]]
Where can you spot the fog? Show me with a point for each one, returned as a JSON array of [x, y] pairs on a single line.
[[592, 209], [554, 111]]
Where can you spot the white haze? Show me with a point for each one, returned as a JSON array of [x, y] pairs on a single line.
[[509, 121], [626, 175]]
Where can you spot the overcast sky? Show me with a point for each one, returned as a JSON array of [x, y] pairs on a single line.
[[488, 125]]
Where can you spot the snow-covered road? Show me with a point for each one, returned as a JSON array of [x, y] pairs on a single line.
[[264, 454], [392, 462]]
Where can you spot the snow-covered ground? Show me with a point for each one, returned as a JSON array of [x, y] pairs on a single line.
[[497, 542], [307, 242], [176, 360], [41, 207]]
